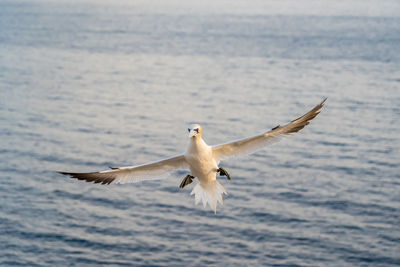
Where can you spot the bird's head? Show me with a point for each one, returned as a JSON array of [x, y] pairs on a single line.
[[194, 131]]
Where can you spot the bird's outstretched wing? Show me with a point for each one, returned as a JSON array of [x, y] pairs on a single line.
[[252, 144], [155, 170]]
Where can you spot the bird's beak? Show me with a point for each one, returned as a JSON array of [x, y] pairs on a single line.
[[192, 133]]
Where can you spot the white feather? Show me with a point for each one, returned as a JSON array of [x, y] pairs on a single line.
[[209, 192]]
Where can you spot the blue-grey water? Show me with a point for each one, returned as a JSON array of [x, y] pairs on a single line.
[[89, 84]]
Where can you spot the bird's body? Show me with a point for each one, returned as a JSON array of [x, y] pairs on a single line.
[[200, 159], [204, 165]]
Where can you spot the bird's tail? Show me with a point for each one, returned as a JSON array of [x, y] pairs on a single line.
[[209, 192]]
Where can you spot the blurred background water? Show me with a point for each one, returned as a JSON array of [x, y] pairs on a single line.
[[89, 84]]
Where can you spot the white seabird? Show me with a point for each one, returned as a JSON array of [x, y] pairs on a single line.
[[201, 159]]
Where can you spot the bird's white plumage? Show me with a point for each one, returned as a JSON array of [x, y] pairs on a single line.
[[132, 174], [156, 170], [201, 159]]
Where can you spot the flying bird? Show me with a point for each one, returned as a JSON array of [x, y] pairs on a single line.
[[200, 159]]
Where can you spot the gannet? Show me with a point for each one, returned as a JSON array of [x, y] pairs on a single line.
[[200, 159]]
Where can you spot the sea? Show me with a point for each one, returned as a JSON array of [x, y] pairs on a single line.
[[85, 85]]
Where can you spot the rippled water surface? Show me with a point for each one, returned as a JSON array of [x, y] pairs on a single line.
[[87, 85]]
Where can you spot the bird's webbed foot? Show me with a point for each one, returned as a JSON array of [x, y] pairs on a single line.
[[187, 180], [223, 172]]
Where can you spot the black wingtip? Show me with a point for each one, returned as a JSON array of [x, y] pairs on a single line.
[[94, 177], [113, 168], [276, 127], [71, 174]]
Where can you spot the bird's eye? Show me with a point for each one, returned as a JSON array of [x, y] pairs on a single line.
[[189, 130]]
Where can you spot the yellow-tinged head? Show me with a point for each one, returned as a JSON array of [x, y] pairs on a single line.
[[194, 131]]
